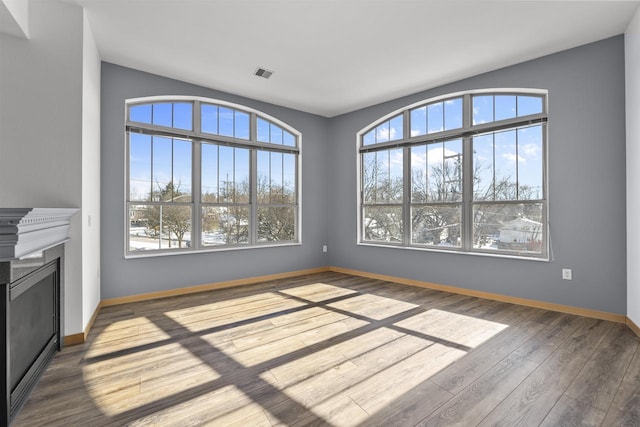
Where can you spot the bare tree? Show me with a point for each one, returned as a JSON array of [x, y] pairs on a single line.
[[169, 220], [276, 214], [382, 220]]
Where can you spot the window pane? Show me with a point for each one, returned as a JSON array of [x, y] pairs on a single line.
[[382, 223], [289, 139], [444, 171], [144, 223], [222, 225], [395, 128], [226, 180], [176, 226], [435, 117], [264, 176], [436, 225], [209, 118], [529, 105], [140, 113], [139, 167], [263, 130], [388, 172], [483, 167], [369, 177], [276, 177], [183, 115], [530, 164], [209, 173], [276, 134], [162, 169], [241, 125], [276, 224], [482, 109], [453, 114], [155, 227], [275, 188], [289, 178], [226, 121], [382, 132], [506, 177], [181, 170], [419, 177], [452, 171], [382, 176], [369, 138], [509, 227], [419, 121], [162, 114], [241, 184], [505, 106], [234, 175]]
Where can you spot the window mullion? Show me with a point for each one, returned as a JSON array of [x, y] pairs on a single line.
[[467, 176], [196, 195], [406, 195], [253, 194], [467, 194]]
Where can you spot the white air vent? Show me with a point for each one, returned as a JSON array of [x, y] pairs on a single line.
[[263, 72]]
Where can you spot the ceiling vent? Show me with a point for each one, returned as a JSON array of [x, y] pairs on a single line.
[[263, 72]]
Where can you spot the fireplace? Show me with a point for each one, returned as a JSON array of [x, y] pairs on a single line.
[[31, 287]]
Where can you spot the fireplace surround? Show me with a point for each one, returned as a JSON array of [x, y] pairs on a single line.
[[31, 298]]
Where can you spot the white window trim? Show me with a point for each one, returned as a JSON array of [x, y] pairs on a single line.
[[548, 251], [197, 134]]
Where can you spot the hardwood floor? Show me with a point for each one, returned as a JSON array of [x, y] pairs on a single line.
[[334, 349]]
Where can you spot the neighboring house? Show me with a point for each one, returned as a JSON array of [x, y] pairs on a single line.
[[520, 234]]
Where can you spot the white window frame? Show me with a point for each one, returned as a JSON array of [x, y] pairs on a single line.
[[198, 138], [466, 133]]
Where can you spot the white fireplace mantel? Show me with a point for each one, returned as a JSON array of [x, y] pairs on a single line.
[[24, 231]]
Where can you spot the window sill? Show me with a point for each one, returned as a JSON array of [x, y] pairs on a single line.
[[153, 254], [456, 252]]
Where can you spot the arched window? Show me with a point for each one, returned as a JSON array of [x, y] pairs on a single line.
[[465, 172], [204, 174]]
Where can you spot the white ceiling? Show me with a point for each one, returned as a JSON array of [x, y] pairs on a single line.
[[335, 56]]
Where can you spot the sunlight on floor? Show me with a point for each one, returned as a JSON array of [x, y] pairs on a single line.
[[317, 352], [318, 292], [166, 370], [221, 313], [124, 334]]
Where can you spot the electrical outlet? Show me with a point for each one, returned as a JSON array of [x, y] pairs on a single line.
[[566, 274], [324, 248]]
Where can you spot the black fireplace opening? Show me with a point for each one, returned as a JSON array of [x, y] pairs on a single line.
[[32, 327]]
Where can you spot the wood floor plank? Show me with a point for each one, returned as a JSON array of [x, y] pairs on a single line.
[[337, 350], [533, 399], [465, 371], [600, 377], [395, 383], [474, 402], [571, 412], [625, 409], [542, 344]]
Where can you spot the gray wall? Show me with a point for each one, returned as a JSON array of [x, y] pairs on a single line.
[[586, 196], [121, 277]]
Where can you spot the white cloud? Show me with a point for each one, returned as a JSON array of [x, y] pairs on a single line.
[[531, 150], [512, 157], [419, 160], [384, 133]]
